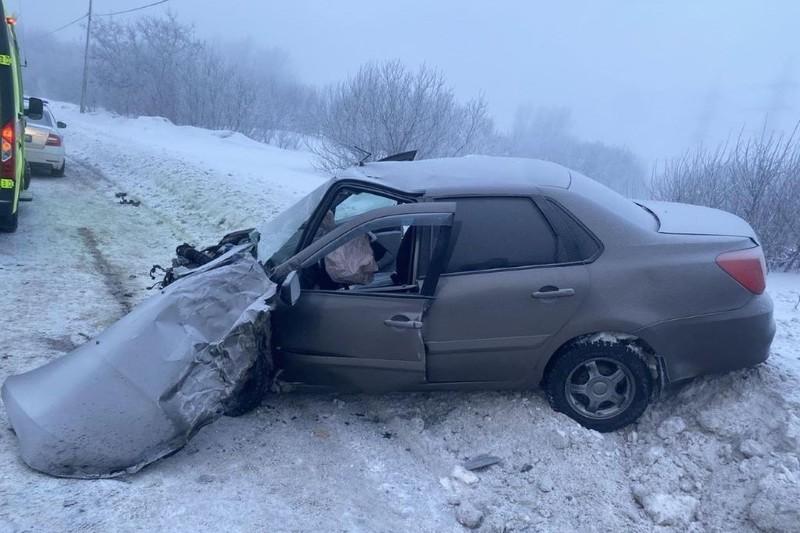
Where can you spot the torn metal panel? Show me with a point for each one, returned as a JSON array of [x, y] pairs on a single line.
[[146, 385]]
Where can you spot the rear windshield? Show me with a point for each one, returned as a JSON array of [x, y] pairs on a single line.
[[612, 200], [45, 120]]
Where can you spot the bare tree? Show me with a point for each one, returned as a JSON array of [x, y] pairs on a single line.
[[158, 66], [141, 67], [386, 108]]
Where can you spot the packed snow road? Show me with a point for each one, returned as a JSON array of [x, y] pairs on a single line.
[[718, 454]]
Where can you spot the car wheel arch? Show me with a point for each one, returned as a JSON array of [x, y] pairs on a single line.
[[643, 348]]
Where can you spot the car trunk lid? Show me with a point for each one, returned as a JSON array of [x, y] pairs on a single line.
[[687, 219], [36, 136]]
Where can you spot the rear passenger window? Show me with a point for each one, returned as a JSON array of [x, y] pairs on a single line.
[[500, 233], [573, 240]]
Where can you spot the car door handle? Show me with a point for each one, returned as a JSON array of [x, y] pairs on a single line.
[[402, 322], [548, 292]]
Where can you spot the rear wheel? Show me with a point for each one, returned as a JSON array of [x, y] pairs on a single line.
[[8, 224], [59, 172], [602, 385]]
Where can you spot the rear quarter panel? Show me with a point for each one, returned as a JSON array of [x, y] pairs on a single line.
[[644, 277]]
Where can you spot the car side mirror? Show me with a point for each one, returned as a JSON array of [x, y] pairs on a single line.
[[60, 124], [290, 289], [35, 108]]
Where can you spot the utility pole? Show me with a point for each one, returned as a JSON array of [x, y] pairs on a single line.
[[85, 81]]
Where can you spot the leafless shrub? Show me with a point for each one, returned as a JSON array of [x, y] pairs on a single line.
[[288, 140], [756, 177], [386, 108]]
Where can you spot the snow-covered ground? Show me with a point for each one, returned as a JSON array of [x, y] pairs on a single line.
[[718, 454], [206, 182]]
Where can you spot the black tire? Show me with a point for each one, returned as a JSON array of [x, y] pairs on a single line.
[[9, 224], [586, 376], [59, 172], [27, 181]]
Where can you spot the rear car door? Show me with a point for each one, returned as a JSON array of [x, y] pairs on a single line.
[[513, 280], [363, 338]]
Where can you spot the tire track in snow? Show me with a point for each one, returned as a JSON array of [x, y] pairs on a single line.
[[111, 276]]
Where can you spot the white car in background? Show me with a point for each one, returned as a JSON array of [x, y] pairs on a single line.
[[44, 143]]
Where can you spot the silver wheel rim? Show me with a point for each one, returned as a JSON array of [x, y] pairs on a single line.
[[600, 388]]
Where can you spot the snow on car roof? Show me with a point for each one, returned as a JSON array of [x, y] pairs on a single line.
[[473, 173]]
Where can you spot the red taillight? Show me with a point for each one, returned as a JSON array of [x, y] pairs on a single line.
[[7, 139], [747, 267], [53, 140]]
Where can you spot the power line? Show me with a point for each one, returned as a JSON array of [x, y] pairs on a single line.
[[132, 9], [85, 15], [68, 24]]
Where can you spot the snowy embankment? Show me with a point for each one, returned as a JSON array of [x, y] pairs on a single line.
[[718, 454], [209, 182]]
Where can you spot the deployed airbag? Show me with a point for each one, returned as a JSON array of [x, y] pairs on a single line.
[[146, 385], [353, 263]]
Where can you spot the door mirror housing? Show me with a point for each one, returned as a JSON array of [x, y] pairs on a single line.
[[35, 108], [290, 289], [61, 125]]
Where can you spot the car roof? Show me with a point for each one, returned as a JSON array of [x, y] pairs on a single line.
[[473, 174]]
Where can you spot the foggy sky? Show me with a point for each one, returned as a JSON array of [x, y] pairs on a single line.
[[656, 76]]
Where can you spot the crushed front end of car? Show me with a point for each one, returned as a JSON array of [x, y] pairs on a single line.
[[141, 389]]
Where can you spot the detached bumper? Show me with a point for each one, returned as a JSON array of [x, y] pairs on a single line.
[[718, 342]]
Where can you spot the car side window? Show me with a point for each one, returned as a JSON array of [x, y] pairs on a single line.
[[366, 262], [574, 240], [369, 257], [500, 232]]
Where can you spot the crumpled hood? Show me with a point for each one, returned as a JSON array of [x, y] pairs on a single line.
[[146, 385]]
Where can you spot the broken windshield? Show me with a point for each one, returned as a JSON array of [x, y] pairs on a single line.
[[280, 235]]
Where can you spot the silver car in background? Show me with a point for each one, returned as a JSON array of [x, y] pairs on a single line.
[[44, 143]]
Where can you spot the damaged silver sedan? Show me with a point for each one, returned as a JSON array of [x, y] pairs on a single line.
[[467, 273]]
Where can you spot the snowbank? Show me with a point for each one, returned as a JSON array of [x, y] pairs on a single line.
[[209, 182]]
